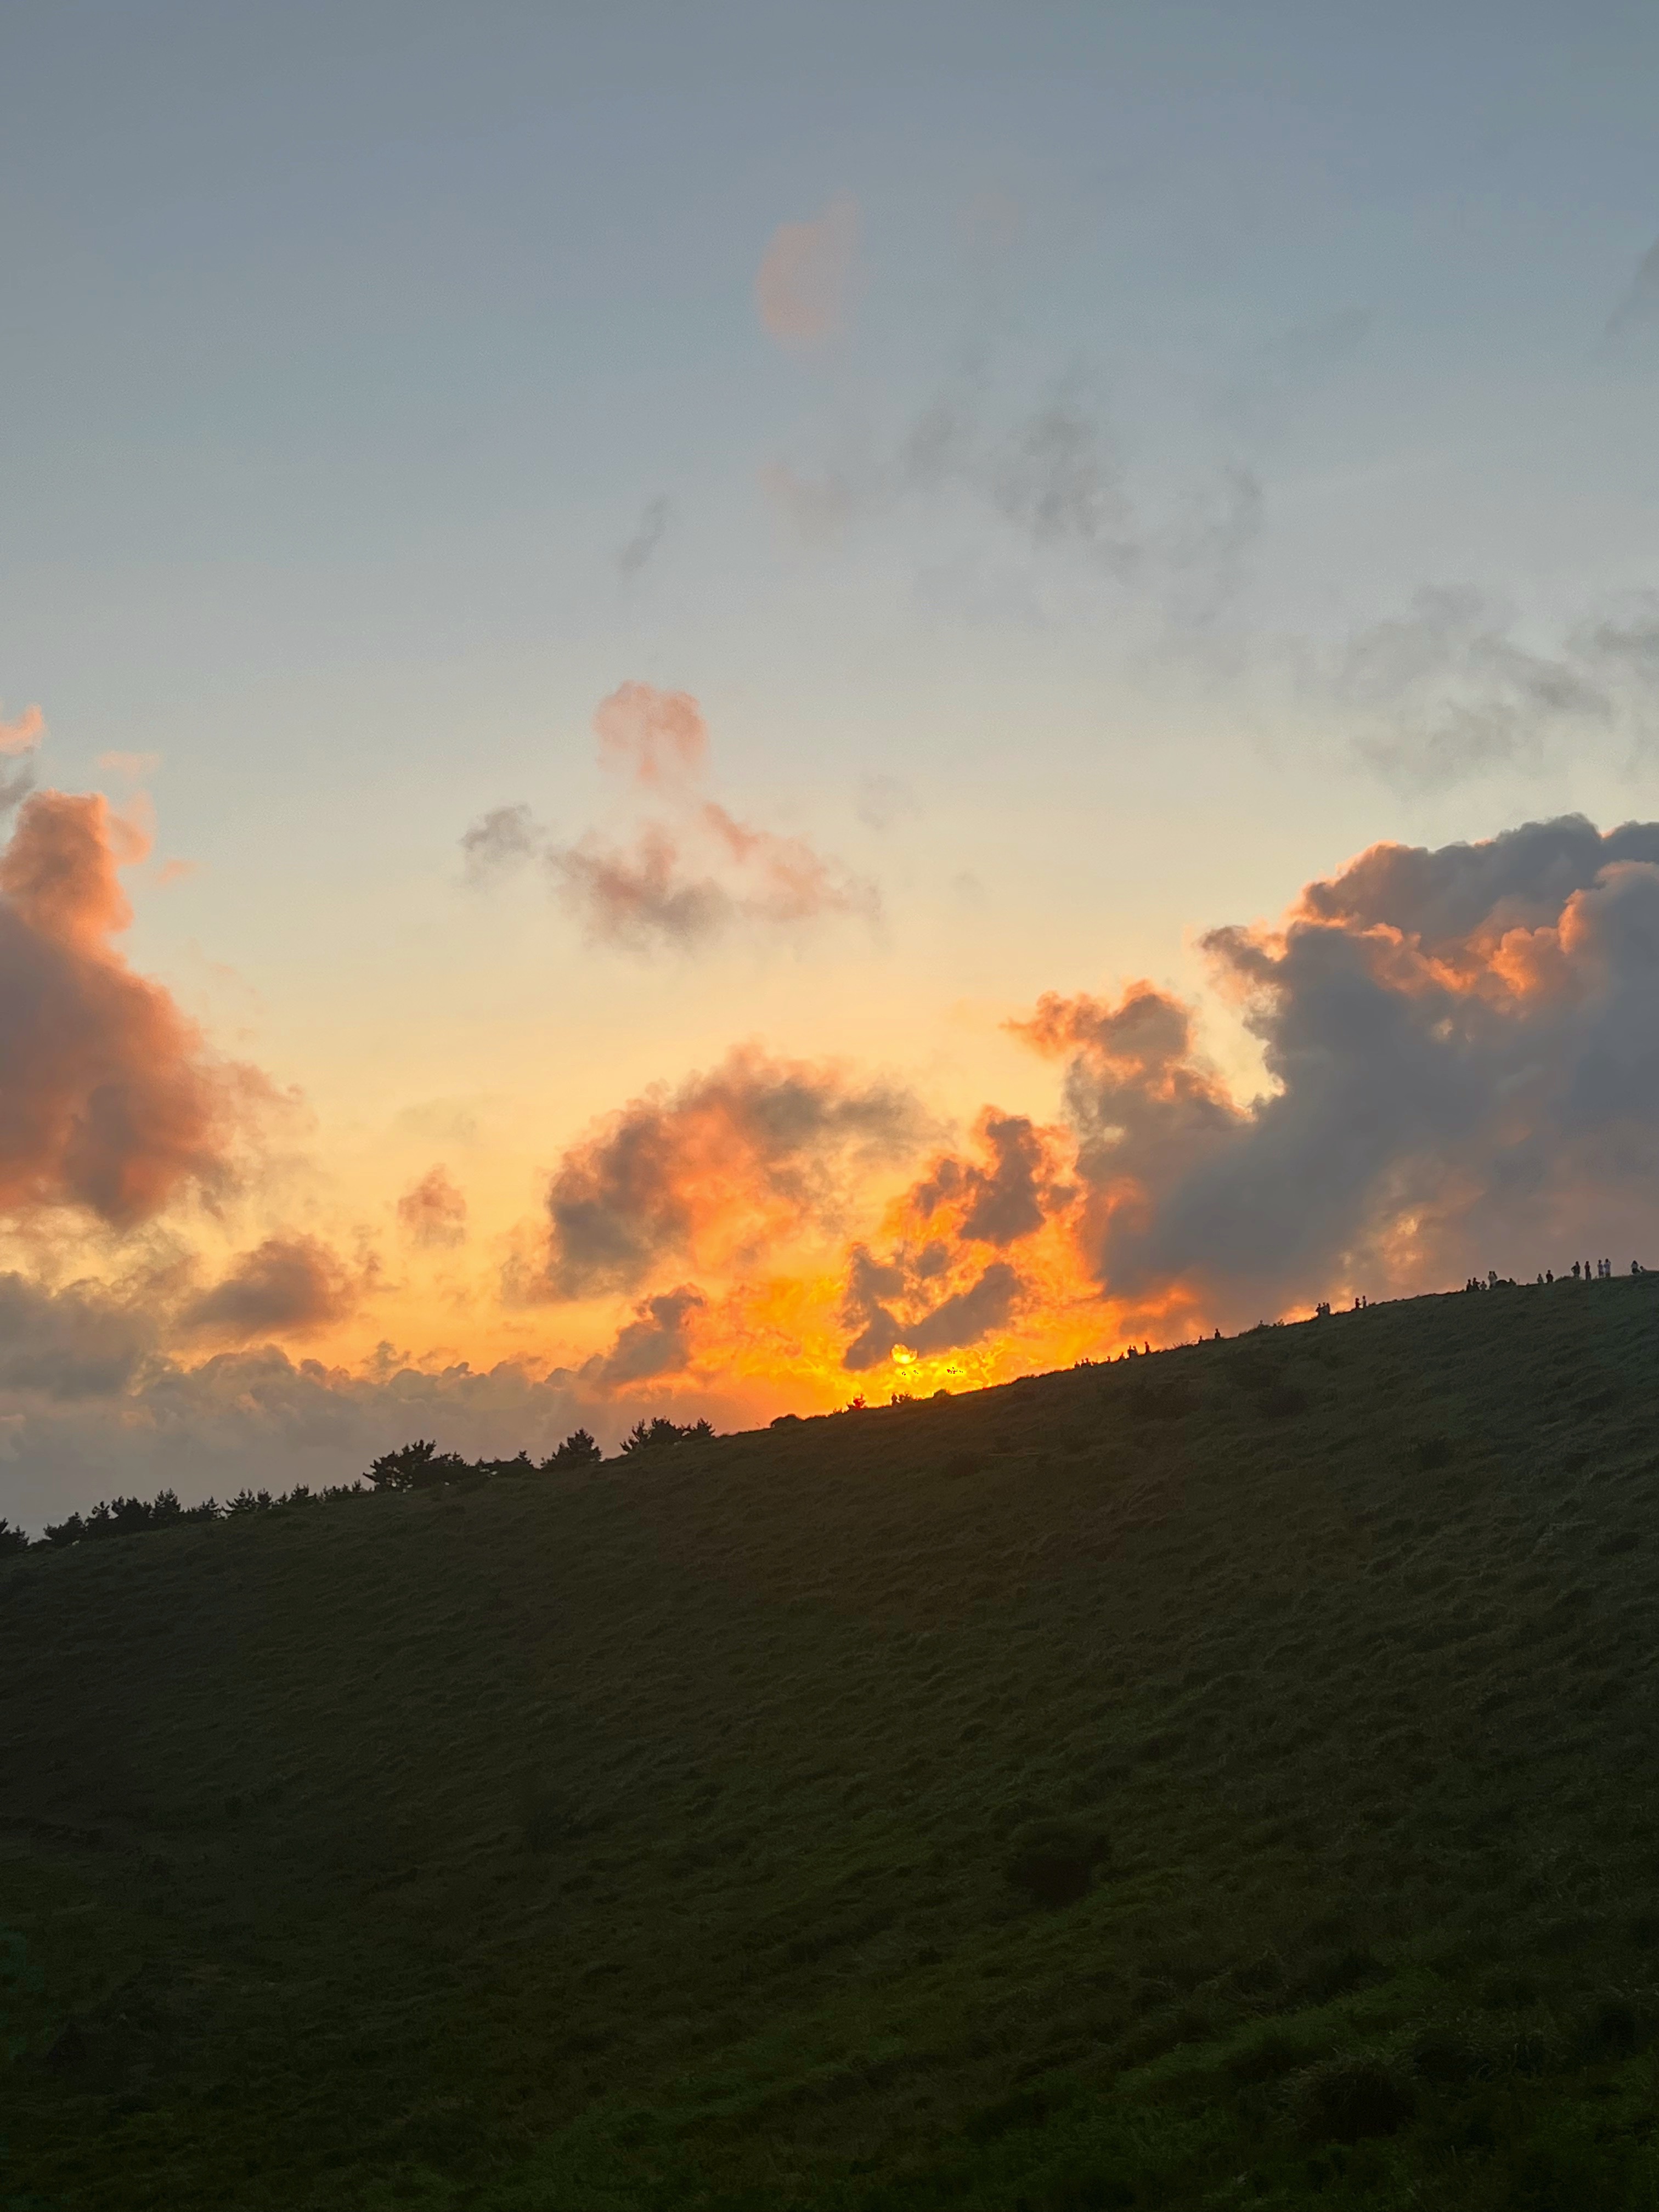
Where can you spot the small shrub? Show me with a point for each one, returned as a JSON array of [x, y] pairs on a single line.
[[1053, 1862], [1346, 2098]]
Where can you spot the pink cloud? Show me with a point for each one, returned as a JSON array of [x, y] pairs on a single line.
[[803, 287]]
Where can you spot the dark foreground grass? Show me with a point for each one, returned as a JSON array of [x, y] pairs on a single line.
[[1227, 1779]]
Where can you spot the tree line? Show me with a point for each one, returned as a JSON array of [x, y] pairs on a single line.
[[412, 1466]]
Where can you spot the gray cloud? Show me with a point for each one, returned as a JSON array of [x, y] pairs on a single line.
[[101, 1416], [964, 1318], [1008, 1198], [1446, 692], [68, 1344], [1047, 481], [1463, 1047], [498, 841], [655, 1342]]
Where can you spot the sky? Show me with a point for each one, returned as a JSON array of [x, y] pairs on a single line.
[[711, 709]]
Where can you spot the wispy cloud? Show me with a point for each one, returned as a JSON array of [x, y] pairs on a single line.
[[693, 873], [1451, 690], [646, 537]]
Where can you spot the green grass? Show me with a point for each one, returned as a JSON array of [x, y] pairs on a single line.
[[643, 1837]]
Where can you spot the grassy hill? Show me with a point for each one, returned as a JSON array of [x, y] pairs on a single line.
[[1223, 1778]]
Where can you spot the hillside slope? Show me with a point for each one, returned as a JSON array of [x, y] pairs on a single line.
[[1220, 1779]]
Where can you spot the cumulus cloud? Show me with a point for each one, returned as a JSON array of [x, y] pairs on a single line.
[[803, 286], [1463, 1051], [714, 1172], [108, 1099], [289, 1285], [433, 1211], [1449, 690], [693, 873]]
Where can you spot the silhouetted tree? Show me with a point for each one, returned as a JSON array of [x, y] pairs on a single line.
[[11, 1540], [578, 1449], [419, 1466], [654, 1435]]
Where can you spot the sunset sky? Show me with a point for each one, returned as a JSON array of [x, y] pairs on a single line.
[[736, 661]]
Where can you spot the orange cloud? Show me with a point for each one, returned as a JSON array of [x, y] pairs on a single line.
[[756, 1151], [23, 735], [803, 287], [286, 1287], [108, 1099], [434, 1211]]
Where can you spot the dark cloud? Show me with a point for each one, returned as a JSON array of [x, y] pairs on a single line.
[[107, 1099], [647, 535], [286, 1287], [933, 1291], [964, 1318], [655, 1342], [1004, 1200], [757, 1149]]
